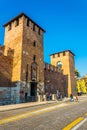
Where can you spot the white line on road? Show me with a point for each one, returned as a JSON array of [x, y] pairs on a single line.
[[80, 124]]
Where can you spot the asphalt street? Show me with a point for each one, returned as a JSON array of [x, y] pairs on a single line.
[[56, 116]]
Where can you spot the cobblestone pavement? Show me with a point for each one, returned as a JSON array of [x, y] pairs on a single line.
[[55, 119]]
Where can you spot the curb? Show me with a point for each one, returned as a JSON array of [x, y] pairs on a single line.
[[21, 106]]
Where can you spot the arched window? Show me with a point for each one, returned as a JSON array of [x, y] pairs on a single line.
[[59, 64]]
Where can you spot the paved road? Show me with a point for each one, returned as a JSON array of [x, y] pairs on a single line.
[[47, 117]]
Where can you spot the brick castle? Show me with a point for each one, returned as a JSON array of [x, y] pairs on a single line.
[[21, 61]]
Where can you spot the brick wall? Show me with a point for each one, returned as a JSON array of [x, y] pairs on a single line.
[[54, 80], [13, 40], [32, 46], [6, 63], [67, 60], [2, 49]]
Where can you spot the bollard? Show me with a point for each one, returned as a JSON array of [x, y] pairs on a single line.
[[39, 98], [44, 97], [53, 97]]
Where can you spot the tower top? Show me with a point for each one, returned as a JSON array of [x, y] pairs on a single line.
[[20, 15], [63, 52]]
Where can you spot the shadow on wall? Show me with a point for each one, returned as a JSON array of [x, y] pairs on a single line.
[[66, 85], [4, 80], [6, 65]]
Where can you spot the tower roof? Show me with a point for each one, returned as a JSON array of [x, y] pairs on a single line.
[[20, 15], [64, 51]]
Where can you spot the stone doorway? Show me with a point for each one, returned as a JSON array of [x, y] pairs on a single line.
[[33, 89], [26, 97]]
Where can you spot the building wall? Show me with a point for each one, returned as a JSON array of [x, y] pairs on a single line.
[[9, 95], [6, 64], [67, 60], [29, 49], [21, 38], [2, 49], [54, 80], [13, 40], [72, 73], [26, 40]]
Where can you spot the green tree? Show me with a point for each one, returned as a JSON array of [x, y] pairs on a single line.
[[81, 86], [77, 73]]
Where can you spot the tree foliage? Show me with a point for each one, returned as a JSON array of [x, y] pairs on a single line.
[[77, 73], [81, 86]]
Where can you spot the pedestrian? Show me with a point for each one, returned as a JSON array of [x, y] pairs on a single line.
[[47, 96], [77, 98], [64, 97], [61, 97], [71, 97], [50, 96]]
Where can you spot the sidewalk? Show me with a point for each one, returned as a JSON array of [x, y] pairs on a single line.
[[24, 105], [30, 104]]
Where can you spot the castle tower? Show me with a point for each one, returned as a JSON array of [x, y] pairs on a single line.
[[25, 37], [65, 60]]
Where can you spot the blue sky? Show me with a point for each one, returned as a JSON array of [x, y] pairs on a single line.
[[65, 22]]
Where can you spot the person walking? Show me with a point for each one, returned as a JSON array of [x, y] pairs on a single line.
[[50, 96], [77, 98], [71, 97]]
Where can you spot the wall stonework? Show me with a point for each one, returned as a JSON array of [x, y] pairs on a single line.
[[2, 49], [6, 63], [13, 40], [54, 80], [29, 50]]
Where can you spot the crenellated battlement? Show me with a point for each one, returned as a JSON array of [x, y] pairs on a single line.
[[52, 68], [2, 49], [33, 26], [23, 19], [62, 54]]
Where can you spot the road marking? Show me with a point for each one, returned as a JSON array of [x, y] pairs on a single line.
[[78, 125], [75, 122], [86, 114], [30, 113]]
